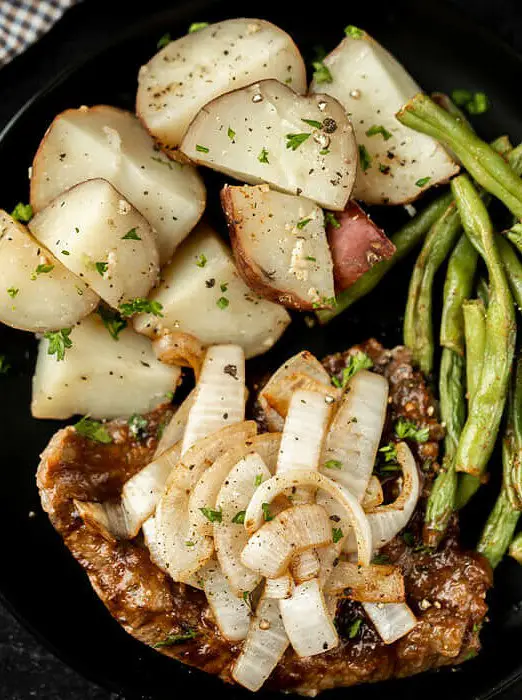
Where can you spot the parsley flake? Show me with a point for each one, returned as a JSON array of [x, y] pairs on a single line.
[[12, 291], [5, 366], [22, 212], [293, 141], [215, 516], [201, 260], [239, 517], [301, 224], [101, 267], [311, 258], [41, 270], [337, 534], [422, 181], [331, 219], [197, 26], [165, 39], [333, 464], [356, 362], [174, 639], [222, 303], [59, 341], [364, 158], [263, 156], [379, 129], [140, 305], [266, 512], [93, 429], [405, 429], [380, 559], [112, 321], [258, 480], [321, 73], [353, 31], [131, 235], [202, 149], [354, 628], [312, 122], [138, 426], [474, 102], [231, 133]]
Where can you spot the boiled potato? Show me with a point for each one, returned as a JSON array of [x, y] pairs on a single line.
[[191, 71], [268, 133], [100, 376], [397, 164], [203, 294], [280, 246], [106, 142], [37, 293], [100, 237]]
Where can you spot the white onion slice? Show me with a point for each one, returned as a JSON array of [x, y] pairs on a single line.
[[230, 538], [296, 529], [173, 432], [264, 646], [220, 393], [150, 538], [232, 614], [279, 394], [280, 587], [108, 519], [391, 620], [307, 620], [305, 566], [353, 438], [373, 495], [204, 493], [366, 584], [275, 486], [302, 363]]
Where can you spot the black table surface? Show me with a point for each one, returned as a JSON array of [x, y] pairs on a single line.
[[27, 669]]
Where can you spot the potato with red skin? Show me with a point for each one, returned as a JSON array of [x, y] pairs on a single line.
[[356, 244]]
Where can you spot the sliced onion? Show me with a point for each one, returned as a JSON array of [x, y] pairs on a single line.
[[205, 491], [180, 349], [230, 538], [391, 620], [220, 394], [108, 519], [305, 566], [264, 646], [280, 587], [373, 495], [232, 614], [353, 438], [278, 396], [307, 620], [366, 584], [302, 363], [277, 485], [150, 538], [270, 549], [173, 432]]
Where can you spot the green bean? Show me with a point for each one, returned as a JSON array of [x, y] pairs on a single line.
[[513, 441], [457, 287], [441, 501], [513, 269], [479, 433], [486, 166], [475, 331], [515, 549], [483, 291], [498, 531], [405, 240], [418, 325], [515, 236]]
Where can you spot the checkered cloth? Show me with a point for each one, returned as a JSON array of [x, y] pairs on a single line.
[[24, 21]]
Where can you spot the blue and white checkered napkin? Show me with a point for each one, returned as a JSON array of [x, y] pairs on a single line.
[[22, 22]]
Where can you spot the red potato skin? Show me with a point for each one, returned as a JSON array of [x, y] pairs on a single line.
[[253, 275], [356, 244]]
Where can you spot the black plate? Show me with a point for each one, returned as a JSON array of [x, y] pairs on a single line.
[[91, 57]]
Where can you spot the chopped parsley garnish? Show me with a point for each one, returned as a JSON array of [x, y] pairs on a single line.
[[101, 267], [59, 341], [22, 212], [293, 141], [41, 270], [331, 219], [201, 260], [381, 559], [405, 429], [4, 365], [337, 534], [65, 252], [473, 102], [354, 628], [223, 286], [258, 480], [356, 362], [138, 426], [202, 149], [139, 306], [239, 517], [387, 460], [189, 543], [165, 39], [408, 538], [263, 156], [169, 395], [422, 181], [131, 235], [93, 429], [312, 122], [311, 258], [353, 31], [231, 133], [266, 512], [174, 639], [364, 158], [222, 303], [333, 464], [215, 516], [321, 73], [324, 152], [301, 224], [12, 291], [379, 129], [197, 26], [384, 168], [112, 321]]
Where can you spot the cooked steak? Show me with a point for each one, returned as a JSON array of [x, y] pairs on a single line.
[[446, 589]]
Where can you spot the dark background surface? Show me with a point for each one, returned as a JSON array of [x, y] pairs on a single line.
[[28, 670]]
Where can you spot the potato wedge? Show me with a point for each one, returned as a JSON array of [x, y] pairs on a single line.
[[193, 70], [280, 246], [267, 133], [100, 237], [203, 294], [99, 376], [356, 244], [37, 293], [107, 142], [397, 164]]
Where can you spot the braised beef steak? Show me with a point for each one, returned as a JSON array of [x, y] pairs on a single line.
[[445, 589]]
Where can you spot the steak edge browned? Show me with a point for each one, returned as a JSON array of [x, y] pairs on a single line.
[[446, 590]]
